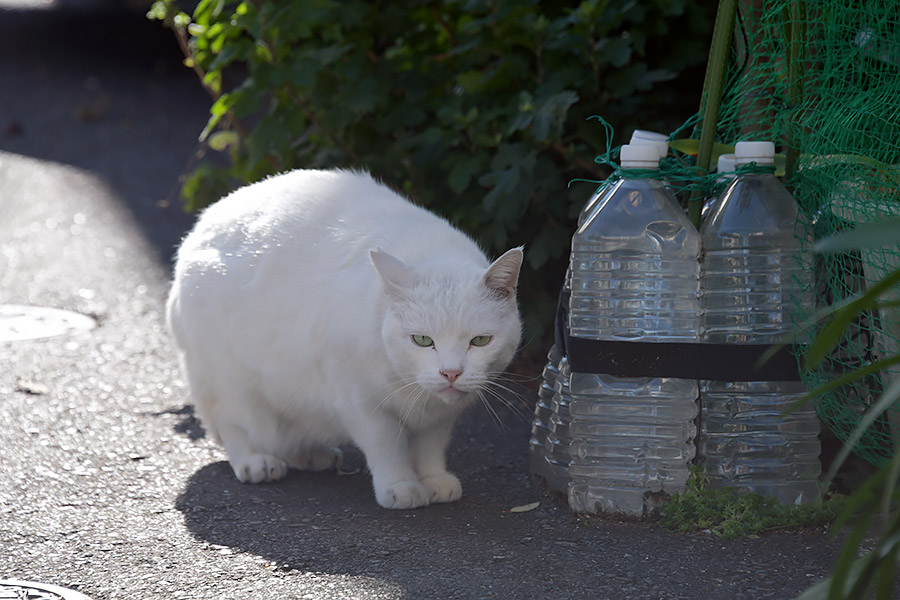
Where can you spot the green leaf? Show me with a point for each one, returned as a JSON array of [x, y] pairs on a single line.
[[614, 50], [470, 81], [461, 174], [263, 52], [221, 140], [551, 114], [546, 245], [237, 51], [870, 235], [303, 73]]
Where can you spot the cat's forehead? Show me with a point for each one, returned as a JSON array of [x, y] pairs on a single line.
[[450, 305]]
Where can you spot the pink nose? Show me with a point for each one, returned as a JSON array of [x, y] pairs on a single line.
[[451, 374]]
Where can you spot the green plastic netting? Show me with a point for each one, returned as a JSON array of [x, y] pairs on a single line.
[[822, 80]]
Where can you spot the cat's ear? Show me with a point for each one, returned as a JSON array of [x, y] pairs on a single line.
[[396, 275], [502, 276]]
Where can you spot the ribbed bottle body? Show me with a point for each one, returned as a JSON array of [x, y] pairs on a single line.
[[756, 284], [749, 444], [631, 437], [558, 455], [633, 268], [634, 276], [543, 410]]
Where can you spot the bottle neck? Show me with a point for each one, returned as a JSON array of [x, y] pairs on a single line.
[[753, 168], [638, 173]]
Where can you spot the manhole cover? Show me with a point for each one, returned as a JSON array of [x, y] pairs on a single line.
[[11, 589], [33, 322]]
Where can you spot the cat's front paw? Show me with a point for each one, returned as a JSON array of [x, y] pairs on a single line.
[[258, 468], [402, 494], [444, 487]]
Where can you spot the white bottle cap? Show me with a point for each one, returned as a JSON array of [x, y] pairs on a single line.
[[649, 136], [637, 156], [762, 153], [725, 163], [643, 137]]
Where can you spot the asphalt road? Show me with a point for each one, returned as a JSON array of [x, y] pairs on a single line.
[[107, 483]]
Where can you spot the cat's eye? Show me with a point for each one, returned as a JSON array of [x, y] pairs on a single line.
[[481, 340], [422, 340]]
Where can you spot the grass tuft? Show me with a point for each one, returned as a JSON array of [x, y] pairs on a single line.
[[729, 514]]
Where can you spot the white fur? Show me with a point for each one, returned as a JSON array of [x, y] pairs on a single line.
[[294, 303]]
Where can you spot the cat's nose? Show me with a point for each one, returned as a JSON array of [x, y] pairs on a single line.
[[451, 374]]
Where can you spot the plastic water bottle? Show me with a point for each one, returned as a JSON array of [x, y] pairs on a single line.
[[552, 470], [639, 137], [558, 455], [543, 410], [754, 275], [724, 164], [634, 277]]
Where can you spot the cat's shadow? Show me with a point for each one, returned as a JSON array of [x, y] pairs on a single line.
[[329, 522]]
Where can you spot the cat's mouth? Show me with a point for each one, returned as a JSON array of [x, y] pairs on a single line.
[[451, 393]]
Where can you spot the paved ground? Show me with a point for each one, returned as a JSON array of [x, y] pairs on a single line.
[[107, 484]]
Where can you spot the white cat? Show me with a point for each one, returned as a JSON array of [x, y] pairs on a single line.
[[318, 308]]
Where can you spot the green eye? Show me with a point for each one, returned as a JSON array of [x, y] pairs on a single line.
[[422, 340], [481, 340]]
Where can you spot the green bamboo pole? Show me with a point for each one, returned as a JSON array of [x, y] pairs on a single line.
[[796, 34], [711, 98]]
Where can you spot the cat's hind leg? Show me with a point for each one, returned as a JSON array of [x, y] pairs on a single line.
[[317, 458], [219, 404], [249, 466]]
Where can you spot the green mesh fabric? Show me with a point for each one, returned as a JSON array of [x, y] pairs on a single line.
[[822, 80]]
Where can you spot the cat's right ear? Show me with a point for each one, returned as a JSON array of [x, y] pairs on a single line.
[[395, 275]]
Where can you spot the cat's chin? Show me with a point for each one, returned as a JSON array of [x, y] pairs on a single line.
[[451, 395]]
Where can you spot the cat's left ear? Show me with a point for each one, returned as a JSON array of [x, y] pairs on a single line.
[[502, 276], [395, 274]]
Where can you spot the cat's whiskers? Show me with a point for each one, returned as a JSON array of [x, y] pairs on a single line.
[[498, 387], [513, 377], [480, 393], [406, 382], [413, 405]]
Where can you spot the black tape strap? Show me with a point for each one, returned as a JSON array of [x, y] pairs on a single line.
[[720, 362]]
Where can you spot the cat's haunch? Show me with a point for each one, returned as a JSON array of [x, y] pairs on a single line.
[[319, 308]]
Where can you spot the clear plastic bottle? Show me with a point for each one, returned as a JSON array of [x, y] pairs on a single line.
[[754, 276], [724, 164], [540, 426], [634, 277], [558, 454], [639, 137], [543, 410]]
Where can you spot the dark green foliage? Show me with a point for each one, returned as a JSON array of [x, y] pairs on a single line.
[[728, 514], [475, 108]]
